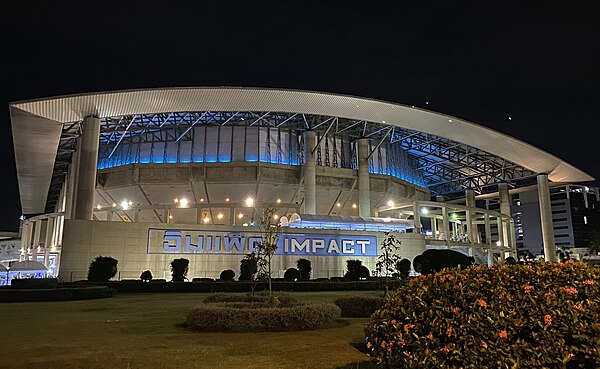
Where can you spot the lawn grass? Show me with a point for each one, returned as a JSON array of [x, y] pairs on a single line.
[[143, 331]]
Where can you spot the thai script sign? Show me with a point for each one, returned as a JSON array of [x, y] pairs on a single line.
[[179, 241]]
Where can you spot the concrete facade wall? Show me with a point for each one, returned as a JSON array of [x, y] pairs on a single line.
[[128, 243]]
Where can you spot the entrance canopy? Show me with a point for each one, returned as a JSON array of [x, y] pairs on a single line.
[[28, 266], [350, 223]]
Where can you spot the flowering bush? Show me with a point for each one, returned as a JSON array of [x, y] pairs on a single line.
[[543, 315]]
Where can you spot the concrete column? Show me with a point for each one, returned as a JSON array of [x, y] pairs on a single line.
[[546, 218], [470, 198], [504, 198], [417, 217], [310, 174], [434, 227], [88, 161], [505, 202], [446, 223], [364, 189], [470, 202], [500, 225], [490, 257], [488, 229], [468, 221]]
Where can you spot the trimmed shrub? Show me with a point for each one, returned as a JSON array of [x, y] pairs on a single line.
[[292, 275], [435, 260], [403, 268], [33, 283], [356, 271], [102, 268], [179, 269], [305, 268], [56, 294], [227, 275], [542, 315], [284, 299], [358, 306], [224, 318], [146, 276], [248, 267]]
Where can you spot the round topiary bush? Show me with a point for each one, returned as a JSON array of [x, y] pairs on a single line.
[[542, 315], [227, 275], [292, 274], [146, 276]]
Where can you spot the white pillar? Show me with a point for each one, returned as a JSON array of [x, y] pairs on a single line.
[[364, 189], [505, 208], [445, 223], [488, 229], [88, 161], [546, 218], [417, 217], [310, 174], [470, 202]]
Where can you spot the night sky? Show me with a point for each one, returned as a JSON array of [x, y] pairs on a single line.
[[535, 62]]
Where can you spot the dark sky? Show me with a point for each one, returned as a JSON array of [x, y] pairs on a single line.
[[535, 61]]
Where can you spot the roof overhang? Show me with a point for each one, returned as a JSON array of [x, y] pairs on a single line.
[[37, 125]]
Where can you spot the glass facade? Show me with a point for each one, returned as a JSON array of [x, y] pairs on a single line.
[[224, 144]]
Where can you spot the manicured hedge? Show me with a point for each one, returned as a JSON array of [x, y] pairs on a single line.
[[136, 286], [284, 300], [358, 306], [33, 283], [542, 315], [55, 294], [224, 318]]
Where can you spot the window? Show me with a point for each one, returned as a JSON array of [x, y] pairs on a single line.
[[559, 212]]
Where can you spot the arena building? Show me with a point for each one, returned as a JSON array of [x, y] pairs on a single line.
[[146, 176]]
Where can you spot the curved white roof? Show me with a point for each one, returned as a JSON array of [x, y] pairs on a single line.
[[37, 125]]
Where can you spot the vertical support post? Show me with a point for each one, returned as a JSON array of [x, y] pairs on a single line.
[[546, 218], [417, 217], [434, 227], [488, 229], [500, 225], [470, 203], [505, 208], [364, 189], [490, 258], [86, 173], [310, 174], [445, 223]]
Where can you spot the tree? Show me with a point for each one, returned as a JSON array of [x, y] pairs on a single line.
[[387, 259], [179, 269], [269, 227], [248, 267], [146, 276], [102, 268], [403, 268], [304, 268]]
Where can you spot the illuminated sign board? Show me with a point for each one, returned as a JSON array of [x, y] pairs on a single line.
[[179, 241]]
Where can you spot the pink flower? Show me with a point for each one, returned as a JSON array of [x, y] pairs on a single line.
[[502, 334], [569, 290], [528, 288], [369, 345], [393, 322], [484, 344], [589, 281], [408, 326], [449, 331], [547, 319], [482, 303]]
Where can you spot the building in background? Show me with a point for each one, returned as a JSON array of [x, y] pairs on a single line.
[[146, 176]]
